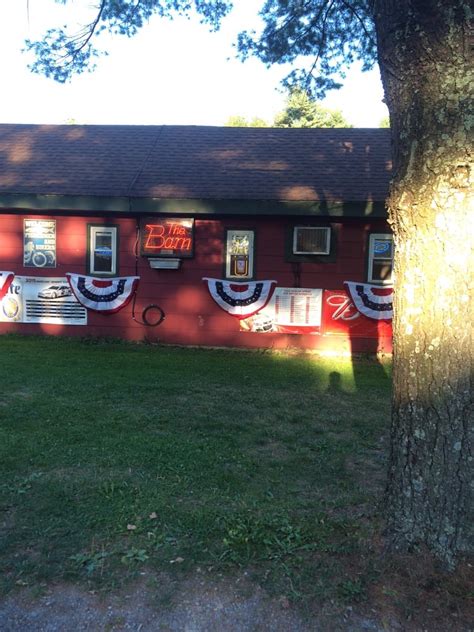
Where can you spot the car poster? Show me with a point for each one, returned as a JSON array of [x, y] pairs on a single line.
[[290, 310], [39, 243], [41, 300]]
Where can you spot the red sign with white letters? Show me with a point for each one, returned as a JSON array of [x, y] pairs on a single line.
[[341, 316]]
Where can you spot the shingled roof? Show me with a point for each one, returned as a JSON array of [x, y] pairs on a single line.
[[166, 163]]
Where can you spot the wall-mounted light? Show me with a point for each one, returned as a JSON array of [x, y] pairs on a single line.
[[164, 264]]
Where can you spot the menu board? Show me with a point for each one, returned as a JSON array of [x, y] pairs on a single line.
[[290, 310]]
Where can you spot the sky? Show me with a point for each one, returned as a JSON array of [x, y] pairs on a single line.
[[173, 73]]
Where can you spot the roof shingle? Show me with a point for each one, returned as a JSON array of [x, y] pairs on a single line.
[[196, 162]]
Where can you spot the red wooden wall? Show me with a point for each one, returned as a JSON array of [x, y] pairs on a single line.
[[192, 317]]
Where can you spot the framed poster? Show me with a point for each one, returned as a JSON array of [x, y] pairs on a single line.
[[239, 254], [39, 243]]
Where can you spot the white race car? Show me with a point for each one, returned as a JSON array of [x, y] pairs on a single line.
[[55, 291]]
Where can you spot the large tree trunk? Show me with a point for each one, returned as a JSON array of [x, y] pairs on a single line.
[[427, 71]]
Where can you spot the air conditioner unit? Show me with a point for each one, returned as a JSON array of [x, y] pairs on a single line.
[[311, 240], [164, 264]]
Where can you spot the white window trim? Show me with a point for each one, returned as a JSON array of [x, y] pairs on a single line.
[[94, 230], [327, 251], [372, 238], [251, 236]]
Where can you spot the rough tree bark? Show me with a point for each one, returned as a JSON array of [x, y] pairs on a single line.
[[425, 55]]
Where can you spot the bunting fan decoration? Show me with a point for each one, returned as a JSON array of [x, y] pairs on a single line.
[[6, 279], [372, 301], [240, 299], [102, 295]]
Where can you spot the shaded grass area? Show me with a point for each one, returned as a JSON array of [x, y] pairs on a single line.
[[237, 457], [117, 457]]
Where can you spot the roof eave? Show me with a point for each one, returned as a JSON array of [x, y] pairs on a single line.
[[123, 205]]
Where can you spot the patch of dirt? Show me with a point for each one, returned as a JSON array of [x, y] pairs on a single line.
[[274, 450], [156, 604], [406, 594], [417, 591]]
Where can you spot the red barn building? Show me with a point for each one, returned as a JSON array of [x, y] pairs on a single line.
[[239, 237]]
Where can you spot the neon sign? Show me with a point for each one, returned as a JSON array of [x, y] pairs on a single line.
[[166, 237]]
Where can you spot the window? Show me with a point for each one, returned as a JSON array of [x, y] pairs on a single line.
[[102, 253], [311, 240], [380, 268], [239, 254]]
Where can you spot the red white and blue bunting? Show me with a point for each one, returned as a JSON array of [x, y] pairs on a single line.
[[102, 295], [240, 299], [373, 301], [6, 279]]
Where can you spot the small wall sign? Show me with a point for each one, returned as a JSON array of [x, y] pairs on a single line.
[[44, 300], [167, 237], [39, 243]]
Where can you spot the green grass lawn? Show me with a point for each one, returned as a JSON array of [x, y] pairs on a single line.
[[117, 457]]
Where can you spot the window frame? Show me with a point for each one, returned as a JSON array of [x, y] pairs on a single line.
[[371, 258], [92, 231], [228, 236]]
